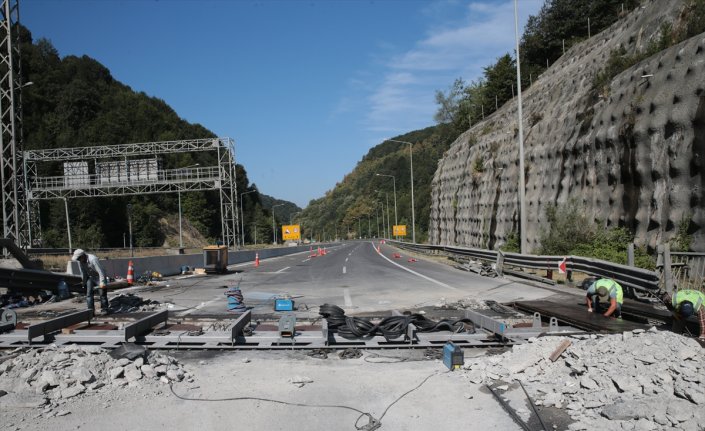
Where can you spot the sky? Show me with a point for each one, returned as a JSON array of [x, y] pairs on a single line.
[[304, 87]]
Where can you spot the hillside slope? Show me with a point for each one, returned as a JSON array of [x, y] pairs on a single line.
[[633, 155]]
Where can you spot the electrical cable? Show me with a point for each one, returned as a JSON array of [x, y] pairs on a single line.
[[372, 424], [389, 327]]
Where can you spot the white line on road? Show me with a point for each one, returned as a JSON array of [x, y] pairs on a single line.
[[344, 270], [305, 260], [440, 283], [203, 304], [282, 270], [346, 259], [348, 299]]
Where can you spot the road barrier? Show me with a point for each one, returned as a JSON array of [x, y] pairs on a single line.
[[637, 280]]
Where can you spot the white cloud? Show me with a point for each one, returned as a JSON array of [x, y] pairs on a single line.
[[404, 100]]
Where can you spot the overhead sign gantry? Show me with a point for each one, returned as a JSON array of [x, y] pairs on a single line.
[[136, 169]]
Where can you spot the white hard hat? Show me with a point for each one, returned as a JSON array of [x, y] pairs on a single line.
[[77, 253]]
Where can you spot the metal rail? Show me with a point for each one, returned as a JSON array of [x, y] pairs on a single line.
[[628, 276]]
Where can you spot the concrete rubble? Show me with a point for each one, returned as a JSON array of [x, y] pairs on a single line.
[[50, 378], [640, 380]]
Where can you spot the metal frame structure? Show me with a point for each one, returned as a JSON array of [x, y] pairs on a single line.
[[221, 177], [141, 331], [11, 168]]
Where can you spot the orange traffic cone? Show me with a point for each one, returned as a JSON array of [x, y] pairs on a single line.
[[324, 251], [319, 252], [130, 273], [256, 260]]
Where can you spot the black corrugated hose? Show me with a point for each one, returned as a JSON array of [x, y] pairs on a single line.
[[389, 327]]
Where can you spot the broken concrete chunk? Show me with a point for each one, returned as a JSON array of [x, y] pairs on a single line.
[[175, 375], [50, 377], [83, 375], [73, 391], [148, 371], [116, 373], [132, 374]]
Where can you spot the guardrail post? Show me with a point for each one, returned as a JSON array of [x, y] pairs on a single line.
[[500, 263], [630, 254], [664, 262]]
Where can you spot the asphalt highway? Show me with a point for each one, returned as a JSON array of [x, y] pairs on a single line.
[[352, 275]]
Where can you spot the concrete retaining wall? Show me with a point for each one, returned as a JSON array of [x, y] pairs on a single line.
[[171, 265]]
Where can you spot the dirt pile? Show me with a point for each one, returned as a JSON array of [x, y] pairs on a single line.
[[640, 380]]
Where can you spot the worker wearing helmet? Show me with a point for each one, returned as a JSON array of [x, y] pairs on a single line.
[[93, 274], [683, 304], [602, 292]]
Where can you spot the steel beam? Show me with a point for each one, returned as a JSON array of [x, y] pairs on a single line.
[[61, 322], [145, 324]]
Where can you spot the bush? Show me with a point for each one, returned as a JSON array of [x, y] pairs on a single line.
[[570, 232]]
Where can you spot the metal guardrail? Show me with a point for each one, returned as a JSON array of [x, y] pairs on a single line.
[[638, 279], [688, 270]]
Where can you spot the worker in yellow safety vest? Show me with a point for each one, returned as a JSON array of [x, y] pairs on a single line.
[[605, 291], [683, 304]]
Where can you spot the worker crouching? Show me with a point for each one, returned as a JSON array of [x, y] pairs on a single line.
[[92, 274], [683, 304], [605, 296]]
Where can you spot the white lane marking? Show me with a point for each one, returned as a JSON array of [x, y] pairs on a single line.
[[344, 270], [305, 260], [346, 259], [348, 299], [202, 305], [440, 283], [282, 270]]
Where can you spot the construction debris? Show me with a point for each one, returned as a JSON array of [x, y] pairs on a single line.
[[131, 303], [46, 379], [644, 380]]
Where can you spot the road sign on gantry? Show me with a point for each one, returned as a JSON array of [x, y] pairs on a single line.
[[291, 232], [399, 230]]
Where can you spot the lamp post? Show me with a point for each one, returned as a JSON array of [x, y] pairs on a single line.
[[291, 216], [180, 172], [274, 229], [377, 212], [394, 183], [522, 192], [359, 229], [386, 235], [242, 218], [413, 218]]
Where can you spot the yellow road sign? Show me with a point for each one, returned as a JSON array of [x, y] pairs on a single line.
[[291, 232], [399, 230]]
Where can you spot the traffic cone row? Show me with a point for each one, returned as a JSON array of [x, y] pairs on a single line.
[[130, 273]]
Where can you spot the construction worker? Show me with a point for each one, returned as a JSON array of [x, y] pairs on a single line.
[[683, 304], [605, 290], [93, 274]]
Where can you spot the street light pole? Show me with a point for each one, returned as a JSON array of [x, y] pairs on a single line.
[[377, 212], [413, 217], [274, 229], [394, 183], [522, 180], [242, 218]]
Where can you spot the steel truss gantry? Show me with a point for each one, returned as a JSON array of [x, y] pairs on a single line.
[[14, 203], [220, 177]]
